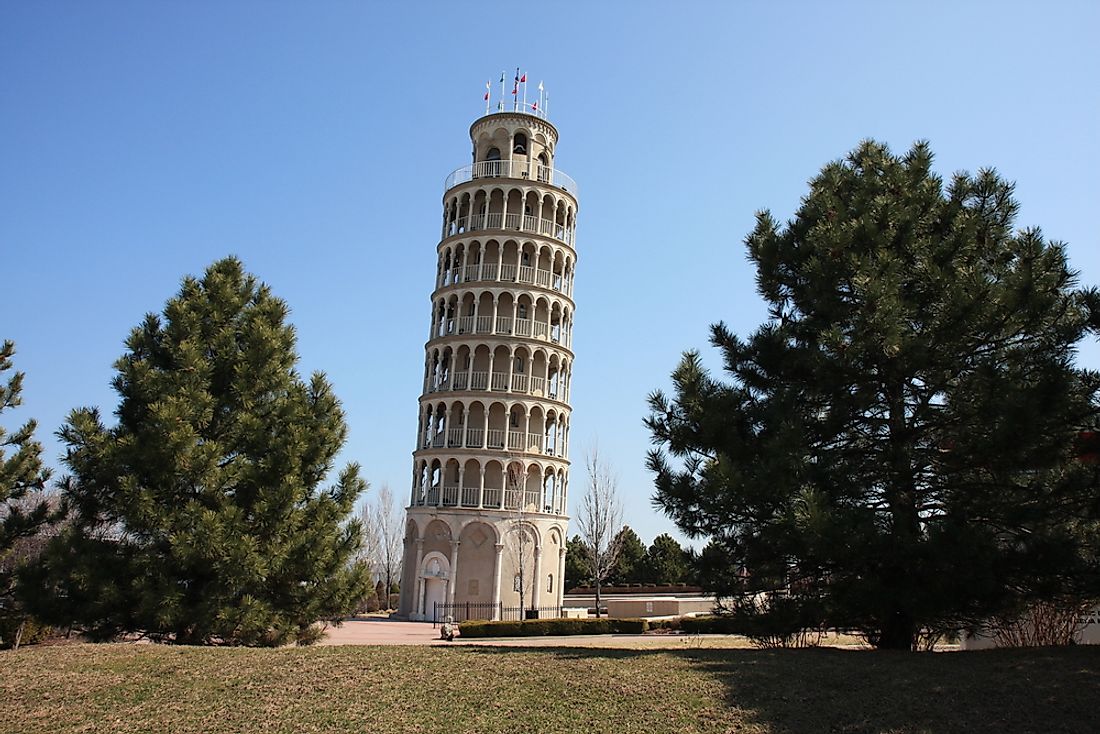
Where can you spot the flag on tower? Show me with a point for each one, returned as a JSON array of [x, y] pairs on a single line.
[[487, 87], [523, 80], [535, 106]]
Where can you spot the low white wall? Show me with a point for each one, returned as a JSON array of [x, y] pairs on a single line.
[[645, 605], [1089, 634]]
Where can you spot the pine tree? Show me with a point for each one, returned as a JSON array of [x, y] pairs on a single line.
[[630, 561], [578, 571], [897, 446], [665, 561], [199, 517], [24, 508]]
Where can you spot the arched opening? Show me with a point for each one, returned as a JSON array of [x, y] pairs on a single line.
[[494, 484], [435, 575], [492, 162]]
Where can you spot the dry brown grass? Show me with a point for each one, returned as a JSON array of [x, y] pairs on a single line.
[[148, 688]]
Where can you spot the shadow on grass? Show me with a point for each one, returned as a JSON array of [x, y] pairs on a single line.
[[830, 690]]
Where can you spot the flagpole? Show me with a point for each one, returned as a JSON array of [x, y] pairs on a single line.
[[525, 91], [500, 104], [515, 88], [488, 89], [543, 109]]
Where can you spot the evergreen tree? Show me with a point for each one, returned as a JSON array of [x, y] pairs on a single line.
[[897, 447], [24, 509], [578, 570], [630, 562], [199, 517], [665, 561]]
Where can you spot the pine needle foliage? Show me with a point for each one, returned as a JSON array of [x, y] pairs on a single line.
[[25, 509], [899, 446], [200, 517]]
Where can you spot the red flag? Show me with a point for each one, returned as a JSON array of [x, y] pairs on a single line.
[[486, 91], [535, 106], [524, 79]]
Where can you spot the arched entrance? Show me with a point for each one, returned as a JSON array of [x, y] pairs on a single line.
[[435, 581]]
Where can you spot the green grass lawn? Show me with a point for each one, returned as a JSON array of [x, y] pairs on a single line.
[[149, 688]]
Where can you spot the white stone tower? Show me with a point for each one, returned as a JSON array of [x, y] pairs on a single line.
[[486, 523]]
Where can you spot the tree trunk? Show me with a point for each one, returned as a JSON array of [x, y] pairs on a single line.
[[898, 627], [19, 634], [899, 632], [597, 597]]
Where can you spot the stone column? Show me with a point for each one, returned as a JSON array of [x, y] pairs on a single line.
[[560, 591], [454, 573], [536, 592], [496, 580], [418, 582], [511, 362]]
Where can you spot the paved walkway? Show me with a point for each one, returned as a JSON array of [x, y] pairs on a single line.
[[382, 631]]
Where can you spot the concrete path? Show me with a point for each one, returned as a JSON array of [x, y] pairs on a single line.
[[382, 631]]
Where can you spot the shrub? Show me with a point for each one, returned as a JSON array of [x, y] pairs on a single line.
[[629, 626], [672, 624], [773, 621], [711, 625], [32, 631]]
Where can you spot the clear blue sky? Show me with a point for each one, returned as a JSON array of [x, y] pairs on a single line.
[[140, 141]]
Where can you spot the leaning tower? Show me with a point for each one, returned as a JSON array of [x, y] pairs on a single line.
[[486, 522]]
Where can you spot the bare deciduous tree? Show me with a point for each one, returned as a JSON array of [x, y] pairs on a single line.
[[600, 519], [520, 540], [382, 540]]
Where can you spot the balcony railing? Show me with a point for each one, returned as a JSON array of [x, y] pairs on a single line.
[[505, 325], [531, 443], [512, 169], [526, 274], [513, 499], [510, 222], [480, 380]]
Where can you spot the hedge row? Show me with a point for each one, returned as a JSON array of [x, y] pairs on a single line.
[[712, 625], [553, 627]]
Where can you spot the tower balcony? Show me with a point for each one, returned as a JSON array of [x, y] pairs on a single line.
[[508, 273], [521, 169], [509, 222], [496, 439], [489, 498], [485, 381], [545, 331]]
